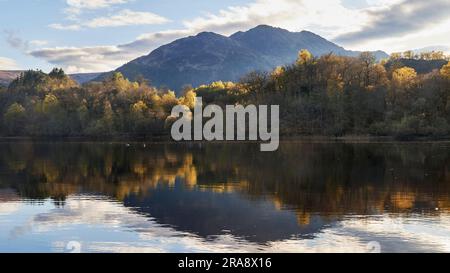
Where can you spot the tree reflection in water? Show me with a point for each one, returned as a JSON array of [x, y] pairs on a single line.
[[213, 189]]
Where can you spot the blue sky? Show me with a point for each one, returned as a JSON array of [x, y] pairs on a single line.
[[99, 35]]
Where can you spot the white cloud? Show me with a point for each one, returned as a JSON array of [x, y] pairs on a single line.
[[125, 17], [87, 59], [94, 4], [324, 16], [65, 27], [77, 6], [8, 64], [38, 43], [98, 213], [9, 208], [328, 18], [285, 14]]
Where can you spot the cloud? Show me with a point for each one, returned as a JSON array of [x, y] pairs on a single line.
[[125, 17], [80, 215], [38, 43], [7, 64], [398, 20], [65, 27], [328, 18], [226, 21], [15, 41], [87, 59], [77, 6]]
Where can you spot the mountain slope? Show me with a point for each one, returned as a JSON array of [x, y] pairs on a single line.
[[421, 66], [82, 78], [7, 76], [209, 57], [195, 60]]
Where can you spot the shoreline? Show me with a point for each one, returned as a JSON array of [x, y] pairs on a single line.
[[166, 139]]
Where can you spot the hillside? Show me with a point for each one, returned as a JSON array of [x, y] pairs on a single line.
[[209, 57], [7, 76], [82, 78], [421, 66]]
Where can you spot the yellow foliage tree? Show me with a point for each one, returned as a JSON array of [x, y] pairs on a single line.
[[51, 102], [304, 56], [445, 71], [139, 107], [189, 99], [404, 76]]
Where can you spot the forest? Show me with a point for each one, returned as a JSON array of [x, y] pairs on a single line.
[[328, 95]]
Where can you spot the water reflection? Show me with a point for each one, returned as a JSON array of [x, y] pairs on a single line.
[[224, 197]]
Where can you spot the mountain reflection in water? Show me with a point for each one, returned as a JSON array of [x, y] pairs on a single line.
[[306, 197]]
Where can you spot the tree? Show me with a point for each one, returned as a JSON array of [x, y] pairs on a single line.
[[57, 73], [331, 95], [14, 118], [404, 76], [304, 56], [51, 104], [277, 77], [396, 56], [108, 118], [168, 101], [437, 55], [408, 54], [189, 98], [139, 116], [118, 82], [368, 60], [445, 71], [83, 116]]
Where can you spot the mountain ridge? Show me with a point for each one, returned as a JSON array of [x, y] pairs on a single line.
[[208, 56]]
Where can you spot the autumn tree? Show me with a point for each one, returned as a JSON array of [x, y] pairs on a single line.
[[396, 56], [14, 118], [304, 56], [445, 71]]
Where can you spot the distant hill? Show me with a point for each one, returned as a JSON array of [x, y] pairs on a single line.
[[84, 77], [421, 66], [445, 49], [209, 57], [7, 76]]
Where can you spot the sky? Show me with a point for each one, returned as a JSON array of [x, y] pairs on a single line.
[[101, 35]]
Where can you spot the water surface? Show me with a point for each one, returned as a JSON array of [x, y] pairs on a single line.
[[306, 197]]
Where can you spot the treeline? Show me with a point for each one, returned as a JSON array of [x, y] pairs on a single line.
[[337, 96], [427, 56], [329, 95], [37, 104]]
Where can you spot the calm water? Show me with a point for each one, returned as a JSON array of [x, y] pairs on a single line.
[[307, 197]]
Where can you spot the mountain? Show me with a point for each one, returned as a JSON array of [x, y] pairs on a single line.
[[7, 76], [195, 60], [82, 78], [209, 57], [280, 46]]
